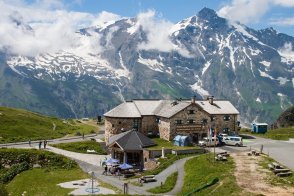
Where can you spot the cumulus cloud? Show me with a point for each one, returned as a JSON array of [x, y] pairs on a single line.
[[287, 50], [250, 11], [44, 27], [283, 21], [158, 34], [245, 11]]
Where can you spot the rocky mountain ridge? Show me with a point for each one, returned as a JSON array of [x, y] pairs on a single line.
[[204, 55]]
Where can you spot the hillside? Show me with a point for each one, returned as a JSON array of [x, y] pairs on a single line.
[[286, 119], [21, 125]]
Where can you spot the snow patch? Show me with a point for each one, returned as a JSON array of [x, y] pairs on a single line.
[[152, 64], [264, 74], [206, 66], [258, 100], [282, 80], [265, 63]]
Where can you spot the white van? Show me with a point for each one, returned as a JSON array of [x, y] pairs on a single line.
[[233, 140], [207, 142]]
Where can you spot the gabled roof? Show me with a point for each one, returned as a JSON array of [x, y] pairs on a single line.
[[131, 140], [124, 110], [166, 108], [218, 107]]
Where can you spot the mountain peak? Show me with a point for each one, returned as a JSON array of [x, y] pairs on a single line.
[[207, 13]]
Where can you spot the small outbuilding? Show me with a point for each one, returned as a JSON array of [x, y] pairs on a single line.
[[259, 127], [182, 140], [128, 147]]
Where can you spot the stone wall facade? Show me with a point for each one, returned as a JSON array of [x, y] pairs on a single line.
[[115, 126], [192, 121], [149, 125]]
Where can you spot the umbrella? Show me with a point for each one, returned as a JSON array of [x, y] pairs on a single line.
[[125, 166], [111, 161]]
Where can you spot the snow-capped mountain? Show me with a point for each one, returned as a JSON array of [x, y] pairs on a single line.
[[204, 55]]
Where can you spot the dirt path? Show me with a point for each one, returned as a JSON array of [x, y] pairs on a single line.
[[251, 177]]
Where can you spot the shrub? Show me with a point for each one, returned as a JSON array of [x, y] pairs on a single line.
[[78, 133], [13, 171]]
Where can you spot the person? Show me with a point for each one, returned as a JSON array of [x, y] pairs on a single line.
[[40, 144], [45, 143], [83, 136], [30, 142], [105, 170]]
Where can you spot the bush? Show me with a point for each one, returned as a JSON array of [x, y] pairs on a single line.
[[13, 171], [78, 133], [3, 191]]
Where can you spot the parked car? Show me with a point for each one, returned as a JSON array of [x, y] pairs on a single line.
[[233, 140], [220, 137], [207, 142]]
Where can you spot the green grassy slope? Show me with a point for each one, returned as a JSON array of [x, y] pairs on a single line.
[[21, 125], [276, 134]]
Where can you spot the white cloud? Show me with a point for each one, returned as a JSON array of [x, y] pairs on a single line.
[[158, 34], [245, 11], [283, 21], [250, 11], [44, 27]]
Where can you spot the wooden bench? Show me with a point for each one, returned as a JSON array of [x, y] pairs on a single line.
[[149, 178], [284, 174], [220, 158], [280, 170]]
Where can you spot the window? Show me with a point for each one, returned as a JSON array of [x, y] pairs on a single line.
[[158, 120], [112, 125], [226, 130], [190, 121], [204, 121], [178, 122], [119, 122], [191, 112], [136, 124], [227, 118], [212, 118]]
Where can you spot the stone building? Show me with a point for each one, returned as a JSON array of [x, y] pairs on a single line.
[[170, 118]]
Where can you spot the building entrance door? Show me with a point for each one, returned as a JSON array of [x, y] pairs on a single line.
[[195, 138]]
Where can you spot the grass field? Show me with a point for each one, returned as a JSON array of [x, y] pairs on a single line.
[[82, 147], [42, 182], [21, 125], [53, 169], [276, 134], [199, 171], [168, 185], [272, 178], [168, 145]]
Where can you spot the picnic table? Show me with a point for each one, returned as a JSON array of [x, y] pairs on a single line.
[[148, 178]]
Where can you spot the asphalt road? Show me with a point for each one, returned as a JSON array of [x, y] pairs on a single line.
[[281, 151]]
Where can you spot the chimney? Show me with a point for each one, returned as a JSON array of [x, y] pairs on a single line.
[[210, 99], [193, 99]]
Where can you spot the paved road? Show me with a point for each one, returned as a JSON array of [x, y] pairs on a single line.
[[281, 151], [53, 141]]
